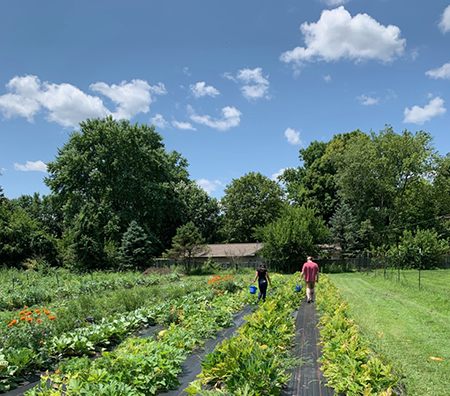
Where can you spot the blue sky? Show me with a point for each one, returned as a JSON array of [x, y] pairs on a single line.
[[235, 86]]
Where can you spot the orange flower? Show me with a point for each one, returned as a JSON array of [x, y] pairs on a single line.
[[22, 313], [37, 310], [23, 318], [28, 313], [25, 307], [13, 323], [41, 342], [57, 372], [29, 319], [39, 321], [51, 317]]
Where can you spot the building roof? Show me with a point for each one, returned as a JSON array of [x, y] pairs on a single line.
[[231, 250]]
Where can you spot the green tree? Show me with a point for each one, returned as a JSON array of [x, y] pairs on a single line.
[[137, 248], [187, 243], [294, 236], [197, 206], [344, 229], [419, 246], [385, 179], [249, 202], [122, 172], [22, 238]]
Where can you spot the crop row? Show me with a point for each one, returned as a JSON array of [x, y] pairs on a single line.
[[255, 361], [350, 365], [141, 366], [18, 289]]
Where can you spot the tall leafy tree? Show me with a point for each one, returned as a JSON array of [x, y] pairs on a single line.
[[249, 202], [385, 177], [120, 172], [197, 206], [290, 239]]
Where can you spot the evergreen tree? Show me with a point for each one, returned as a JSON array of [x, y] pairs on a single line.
[[136, 250]]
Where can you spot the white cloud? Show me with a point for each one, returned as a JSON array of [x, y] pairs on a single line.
[[444, 24], [159, 121], [187, 126], [277, 174], [201, 89], [23, 101], [208, 185], [229, 76], [419, 115], [337, 35], [186, 71], [327, 78], [441, 72], [293, 136], [368, 100], [253, 84], [231, 117], [131, 98], [68, 105], [334, 3], [31, 166]]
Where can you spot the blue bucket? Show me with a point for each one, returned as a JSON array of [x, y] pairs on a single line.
[[298, 288], [253, 289]]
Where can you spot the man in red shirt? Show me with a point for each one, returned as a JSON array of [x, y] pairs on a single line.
[[311, 272]]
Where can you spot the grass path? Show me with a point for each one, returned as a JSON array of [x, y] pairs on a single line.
[[406, 325]]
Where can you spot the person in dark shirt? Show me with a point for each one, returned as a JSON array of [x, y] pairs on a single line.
[[263, 276]]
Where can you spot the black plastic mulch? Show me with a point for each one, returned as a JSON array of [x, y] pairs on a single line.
[[192, 365], [307, 379]]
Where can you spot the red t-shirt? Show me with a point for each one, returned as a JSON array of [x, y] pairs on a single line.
[[310, 270]]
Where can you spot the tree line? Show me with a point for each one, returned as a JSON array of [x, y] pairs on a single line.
[[119, 200]]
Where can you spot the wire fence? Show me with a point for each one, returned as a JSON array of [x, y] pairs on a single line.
[[388, 267]]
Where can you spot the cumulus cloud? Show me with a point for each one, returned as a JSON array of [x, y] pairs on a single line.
[[67, 105], [368, 100], [201, 89], [419, 115], [293, 136], [441, 72], [253, 84], [231, 117], [337, 35], [159, 121], [187, 126], [276, 175], [208, 185], [31, 166], [131, 98], [444, 24]]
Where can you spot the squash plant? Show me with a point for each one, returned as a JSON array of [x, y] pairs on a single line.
[[253, 363], [348, 362]]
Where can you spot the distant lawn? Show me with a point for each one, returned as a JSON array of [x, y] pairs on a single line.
[[404, 324]]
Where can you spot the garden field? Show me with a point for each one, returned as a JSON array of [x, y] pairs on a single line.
[[408, 326]]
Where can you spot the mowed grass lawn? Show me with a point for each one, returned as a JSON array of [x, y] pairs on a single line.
[[404, 324]]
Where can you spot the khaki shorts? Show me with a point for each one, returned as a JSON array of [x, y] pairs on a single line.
[[310, 285]]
